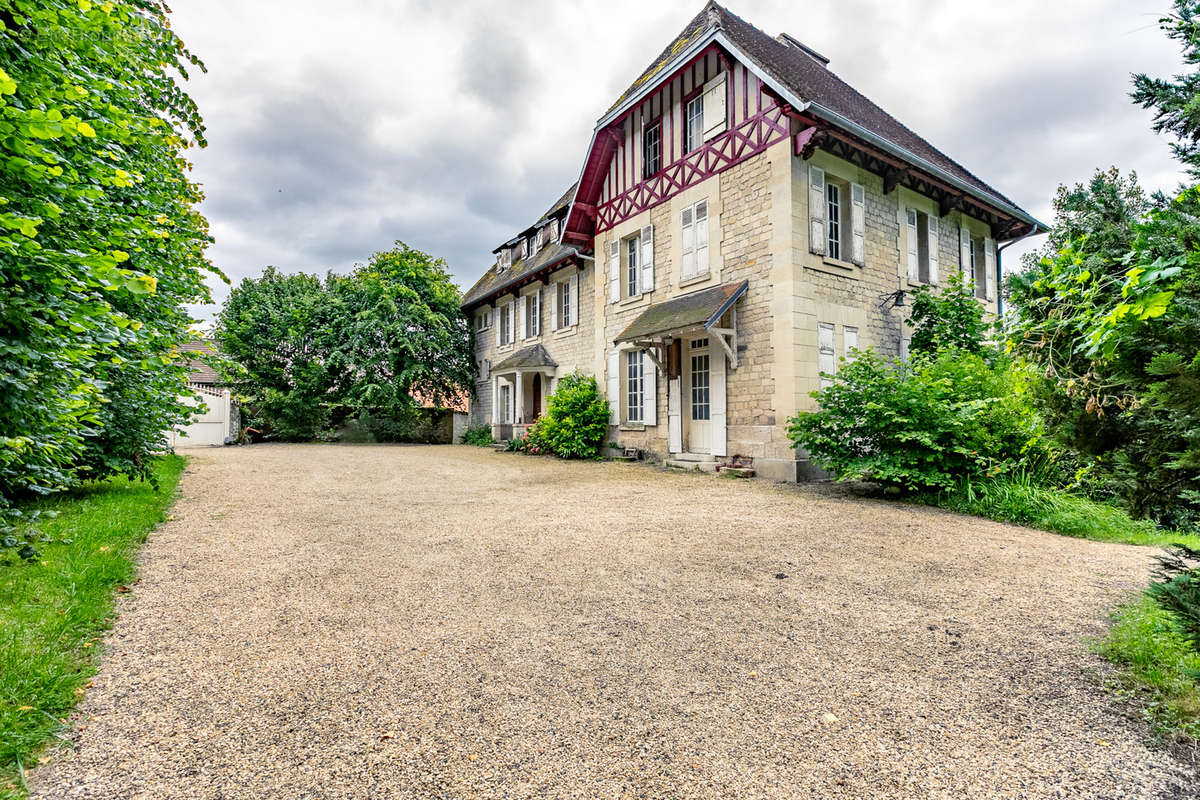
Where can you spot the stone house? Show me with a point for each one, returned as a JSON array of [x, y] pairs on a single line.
[[743, 221]]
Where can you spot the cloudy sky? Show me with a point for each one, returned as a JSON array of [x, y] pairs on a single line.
[[337, 128]]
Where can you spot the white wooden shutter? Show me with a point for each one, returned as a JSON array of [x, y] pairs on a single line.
[[849, 342], [933, 249], [964, 253], [574, 298], [687, 229], [715, 110], [649, 390], [499, 327], [914, 259], [989, 261], [558, 287], [522, 301], [647, 243], [826, 354], [512, 313], [858, 223], [816, 210], [674, 416], [614, 271], [701, 222], [614, 387], [716, 377]]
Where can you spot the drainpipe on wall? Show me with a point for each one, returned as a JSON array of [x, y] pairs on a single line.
[[1033, 231]]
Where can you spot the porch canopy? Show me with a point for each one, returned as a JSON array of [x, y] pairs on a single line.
[[703, 309], [528, 359]]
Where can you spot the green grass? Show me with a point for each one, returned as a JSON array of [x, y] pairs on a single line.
[[54, 610], [1161, 671], [1023, 502]]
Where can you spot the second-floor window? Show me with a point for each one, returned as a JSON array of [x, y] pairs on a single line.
[[483, 321], [833, 215], [651, 150], [979, 268], [694, 227], [632, 266], [562, 296], [533, 315], [505, 322]]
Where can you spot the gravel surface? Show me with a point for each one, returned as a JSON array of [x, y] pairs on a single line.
[[447, 622]]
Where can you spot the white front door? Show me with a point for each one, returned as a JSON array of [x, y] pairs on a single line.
[[698, 396]]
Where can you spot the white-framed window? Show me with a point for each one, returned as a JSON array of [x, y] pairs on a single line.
[[634, 385], [651, 150], [694, 228], [633, 269], [979, 268], [533, 315], [483, 320], [700, 380], [826, 354], [506, 259], [833, 213], [922, 240], [505, 321], [693, 123], [562, 296]]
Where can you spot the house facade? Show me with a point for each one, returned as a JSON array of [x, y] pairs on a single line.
[[743, 221]]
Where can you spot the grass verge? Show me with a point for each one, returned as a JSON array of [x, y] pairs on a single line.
[[53, 610], [1022, 502], [1161, 671]]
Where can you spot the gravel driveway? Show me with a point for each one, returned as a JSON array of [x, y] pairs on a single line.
[[425, 622]]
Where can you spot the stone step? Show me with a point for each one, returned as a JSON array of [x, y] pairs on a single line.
[[693, 457], [702, 466]]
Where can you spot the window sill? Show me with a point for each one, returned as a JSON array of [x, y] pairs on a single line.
[[834, 266], [635, 299], [632, 426], [694, 279], [567, 331]]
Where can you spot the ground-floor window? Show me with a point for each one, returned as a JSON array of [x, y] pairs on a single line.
[[701, 408], [634, 386], [506, 403]]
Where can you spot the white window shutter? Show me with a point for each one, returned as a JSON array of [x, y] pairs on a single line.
[[512, 313], [574, 295], [647, 242], [914, 261], [687, 230], [614, 270], [816, 210], [649, 391], [701, 223], [964, 253], [717, 405], [674, 416], [858, 223], [522, 301], [989, 261], [933, 249], [614, 387], [499, 327], [554, 306], [849, 342], [715, 107]]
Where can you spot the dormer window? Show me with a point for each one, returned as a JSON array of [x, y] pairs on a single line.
[[506, 258]]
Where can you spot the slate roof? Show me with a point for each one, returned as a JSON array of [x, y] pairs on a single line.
[[494, 281], [704, 307], [811, 80], [559, 205], [531, 357]]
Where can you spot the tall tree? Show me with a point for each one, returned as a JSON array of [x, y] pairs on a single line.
[[1174, 100], [101, 243]]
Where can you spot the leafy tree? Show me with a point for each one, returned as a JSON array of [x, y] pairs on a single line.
[[949, 319], [306, 354], [101, 243], [1174, 101]]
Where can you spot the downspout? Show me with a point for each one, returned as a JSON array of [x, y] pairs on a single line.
[[1033, 231]]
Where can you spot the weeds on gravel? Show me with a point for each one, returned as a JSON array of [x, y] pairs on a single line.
[[1161, 669], [53, 610], [1017, 498]]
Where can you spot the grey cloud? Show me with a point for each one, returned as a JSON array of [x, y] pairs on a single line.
[[496, 66]]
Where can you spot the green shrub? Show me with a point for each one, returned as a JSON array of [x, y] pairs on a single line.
[[576, 419], [1162, 669], [924, 425], [1176, 588], [478, 436]]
